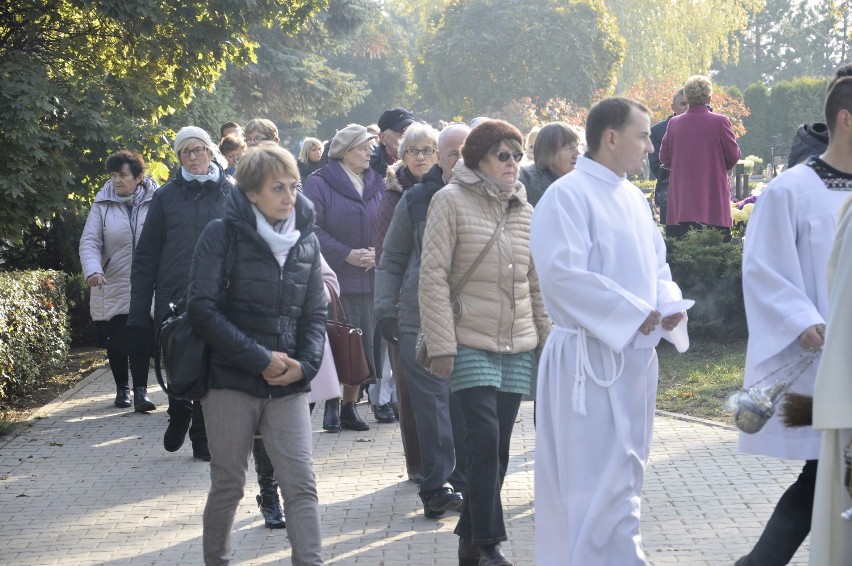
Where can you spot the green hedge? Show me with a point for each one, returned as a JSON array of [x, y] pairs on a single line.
[[79, 319], [33, 327], [709, 270]]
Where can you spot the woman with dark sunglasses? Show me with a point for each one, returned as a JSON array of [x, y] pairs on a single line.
[[483, 318]]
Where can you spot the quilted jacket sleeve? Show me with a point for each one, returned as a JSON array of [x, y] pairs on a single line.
[[92, 242], [439, 242], [540, 318], [399, 242]]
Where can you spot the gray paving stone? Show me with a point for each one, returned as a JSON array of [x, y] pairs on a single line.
[[88, 484]]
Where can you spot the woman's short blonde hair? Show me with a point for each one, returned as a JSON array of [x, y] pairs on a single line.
[[264, 127], [697, 90], [260, 163], [307, 145], [418, 133]]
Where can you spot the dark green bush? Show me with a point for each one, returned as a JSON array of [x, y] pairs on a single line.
[[709, 270], [79, 320], [33, 327]]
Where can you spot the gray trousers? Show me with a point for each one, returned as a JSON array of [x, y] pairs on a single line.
[[232, 417], [435, 411]]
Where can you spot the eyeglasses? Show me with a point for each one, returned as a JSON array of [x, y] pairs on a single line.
[[504, 156], [256, 139], [413, 151], [196, 151]]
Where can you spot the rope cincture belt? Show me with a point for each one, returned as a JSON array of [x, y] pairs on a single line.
[[583, 368]]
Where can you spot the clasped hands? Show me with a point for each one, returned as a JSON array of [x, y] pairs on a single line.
[[655, 318], [282, 370], [365, 258]]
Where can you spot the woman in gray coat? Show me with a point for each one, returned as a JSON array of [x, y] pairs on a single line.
[[106, 253]]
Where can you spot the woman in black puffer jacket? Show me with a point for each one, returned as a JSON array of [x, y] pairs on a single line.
[[264, 320]]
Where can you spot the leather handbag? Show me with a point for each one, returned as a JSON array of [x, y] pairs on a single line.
[[421, 350], [347, 349], [182, 359]]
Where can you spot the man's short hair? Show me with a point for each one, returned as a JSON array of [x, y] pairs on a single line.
[[227, 125], [678, 93], [608, 114], [839, 98], [231, 142]]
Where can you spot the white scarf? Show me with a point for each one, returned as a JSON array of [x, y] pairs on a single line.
[[357, 180], [281, 237], [213, 174]]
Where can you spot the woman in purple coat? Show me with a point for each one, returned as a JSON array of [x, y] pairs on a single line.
[[699, 148], [347, 195]]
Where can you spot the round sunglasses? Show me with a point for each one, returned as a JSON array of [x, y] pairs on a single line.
[[504, 156]]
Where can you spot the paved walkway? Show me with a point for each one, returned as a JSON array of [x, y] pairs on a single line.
[[91, 484]]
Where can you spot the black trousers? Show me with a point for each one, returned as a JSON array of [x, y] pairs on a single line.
[[489, 417], [190, 410], [437, 415], [789, 524], [111, 335]]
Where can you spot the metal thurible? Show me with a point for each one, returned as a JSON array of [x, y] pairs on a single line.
[[754, 407]]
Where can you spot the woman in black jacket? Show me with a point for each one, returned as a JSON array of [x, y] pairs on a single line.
[[264, 320]]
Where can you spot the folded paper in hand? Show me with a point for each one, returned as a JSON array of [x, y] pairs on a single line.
[[677, 336]]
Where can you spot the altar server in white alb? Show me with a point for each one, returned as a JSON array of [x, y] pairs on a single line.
[[831, 539], [606, 285], [785, 269]]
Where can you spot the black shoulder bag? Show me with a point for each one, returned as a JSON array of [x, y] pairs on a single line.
[[182, 360]]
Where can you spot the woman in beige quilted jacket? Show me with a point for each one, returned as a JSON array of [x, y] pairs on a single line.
[[486, 338], [109, 239]]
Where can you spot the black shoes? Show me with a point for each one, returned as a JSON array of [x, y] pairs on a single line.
[[122, 398], [468, 553], [384, 414], [331, 418], [200, 451], [141, 403], [176, 432], [439, 502], [491, 555], [350, 420], [270, 508]]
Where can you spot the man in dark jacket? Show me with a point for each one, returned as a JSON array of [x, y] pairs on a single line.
[[810, 139], [396, 307], [658, 130], [179, 211], [392, 124]]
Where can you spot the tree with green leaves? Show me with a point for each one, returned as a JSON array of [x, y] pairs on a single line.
[[786, 40], [79, 80], [677, 39], [485, 53]]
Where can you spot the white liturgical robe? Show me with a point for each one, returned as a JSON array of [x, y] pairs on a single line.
[[831, 536], [602, 268], [785, 267]]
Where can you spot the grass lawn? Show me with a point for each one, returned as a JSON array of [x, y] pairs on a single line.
[[699, 382]]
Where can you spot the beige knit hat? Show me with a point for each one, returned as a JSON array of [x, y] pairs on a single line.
[[347, 138]]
